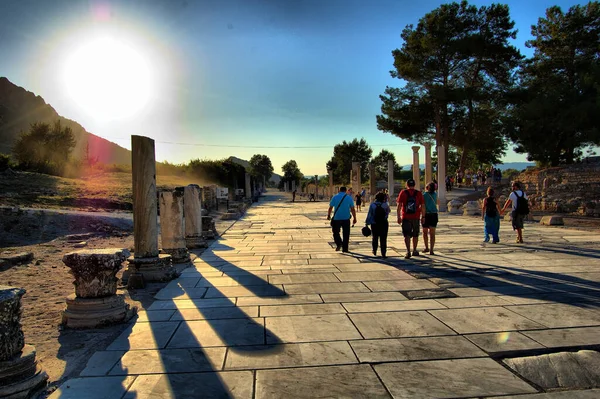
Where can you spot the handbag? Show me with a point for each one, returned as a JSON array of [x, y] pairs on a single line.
[[336, 209], [366, 231]]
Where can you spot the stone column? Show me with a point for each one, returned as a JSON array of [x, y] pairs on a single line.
[[372, 182], [428, 173], [294, 185], [416, 170], [441, 178], [316, 186], [285, 187], [95, 302], [172, 231], [192, 216], [391, 181], [146, 264], [248, 188], [20, 375], [356, 183], [330, 173]]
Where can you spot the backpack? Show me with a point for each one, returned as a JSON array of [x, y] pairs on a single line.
[[522, 204], [411, 203], [380, 214], [490, 208]]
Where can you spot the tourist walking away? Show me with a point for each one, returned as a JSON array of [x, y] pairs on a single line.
[[411, 209], [358, 202], [448, 183], [431, 217], [377, 217], [520, 209], [475, 182], [342, 206], [490, 213]]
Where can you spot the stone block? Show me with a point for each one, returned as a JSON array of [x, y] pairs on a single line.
[[10, 322], [15, 259], [455, 207], [471, 208], [553, 220], [96, 312]]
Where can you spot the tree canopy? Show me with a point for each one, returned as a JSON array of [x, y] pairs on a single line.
[[380, 161], [344, 154], [291, 172], [261, 167]]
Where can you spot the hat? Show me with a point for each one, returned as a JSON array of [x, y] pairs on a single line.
[[410, 182]]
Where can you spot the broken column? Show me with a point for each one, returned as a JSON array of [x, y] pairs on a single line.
[[172, 232], [428, 174], [391, 181], [248, 187], [95, 302], [441, 178], [192, 215], [20, 375], [415, 168], [146, 264]]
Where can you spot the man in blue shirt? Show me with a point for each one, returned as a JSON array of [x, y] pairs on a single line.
[[343, 205]]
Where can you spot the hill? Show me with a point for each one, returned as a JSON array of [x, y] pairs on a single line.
[[20, 108]]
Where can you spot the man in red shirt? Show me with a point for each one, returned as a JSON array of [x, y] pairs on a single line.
[[411, 210]]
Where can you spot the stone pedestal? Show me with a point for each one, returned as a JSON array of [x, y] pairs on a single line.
[[157, 268], [20, 375], [192, 213], [471, 208], [415, 168], [171, 225], [95, 302], [391, 182], [293, 185], [553, 220], [455, 207], [209, 230]]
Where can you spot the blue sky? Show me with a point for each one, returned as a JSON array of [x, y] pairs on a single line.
[[225, 75]]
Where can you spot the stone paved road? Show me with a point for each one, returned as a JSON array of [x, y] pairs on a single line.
[[272, 311]]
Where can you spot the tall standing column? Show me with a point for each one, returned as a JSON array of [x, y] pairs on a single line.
[[330, 173], [192, 216], [293, 185], [248, 187], [372, 182], [428, 173], [172, 232], [391, 181], [416, 169], [146, 264], [356, 183], [441, 178]]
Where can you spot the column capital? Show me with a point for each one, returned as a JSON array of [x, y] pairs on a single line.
[[416, 148], [427, 146]]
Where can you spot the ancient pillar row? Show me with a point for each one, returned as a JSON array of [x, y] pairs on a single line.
[[428, 168], [248, 187], [372, 182], [172, 231], [20, 374], [415, 168], [146, 264], [192, 216], [391, 181], [441, 178]]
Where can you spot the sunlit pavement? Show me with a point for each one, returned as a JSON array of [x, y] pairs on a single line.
[[270, 310]]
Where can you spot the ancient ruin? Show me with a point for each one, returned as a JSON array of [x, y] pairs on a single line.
[[171, 225], [192, 213]]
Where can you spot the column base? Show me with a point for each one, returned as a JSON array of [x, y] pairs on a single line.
[[96, 312], [194, 242], [156, 269], [178, 255], [21, 377]]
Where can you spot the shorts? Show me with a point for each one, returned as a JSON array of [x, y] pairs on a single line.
[[431, 220], [517, 220], [410, 227]]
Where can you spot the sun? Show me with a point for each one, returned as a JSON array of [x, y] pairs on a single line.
[[108, 78]]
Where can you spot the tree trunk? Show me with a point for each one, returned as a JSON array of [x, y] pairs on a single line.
[[463, 158]]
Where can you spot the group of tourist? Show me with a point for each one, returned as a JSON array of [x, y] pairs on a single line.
[[416, 210], [468, 178]]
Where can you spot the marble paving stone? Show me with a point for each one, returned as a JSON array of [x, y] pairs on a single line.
[[357, 381], [232, 312], [410, 349], [304, 278], [398, 324], [454, 282], [472, 302], [154, 335], [456, 378], [310, 270], [364, 297], [374, 275], [100, 363], [505, 341], [232, 281], [93, 388], [284, 300], [257, 290], [191, 304], [566, 337], [170, 361], [283, 268], [390, 306], [190, 273], [583, 394], [261, 272], [364, 267], [310, 328], [233, 332], [529, 299], [281, 262], [155, 315], [342, 261], [559, 315], [290, 355], [228, 384], [180, 293], [325, 288], [184, 282], [297, 310], [501, 290], [400, 285], [480, 320], [285, 257]]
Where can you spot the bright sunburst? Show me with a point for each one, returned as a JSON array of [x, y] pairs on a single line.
[[108, 78]]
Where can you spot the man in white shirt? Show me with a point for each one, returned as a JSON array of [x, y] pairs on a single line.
[[517, 217]]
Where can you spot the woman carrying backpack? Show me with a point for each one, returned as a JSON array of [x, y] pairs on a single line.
[[431, 217], [490, 213], [377, 217]]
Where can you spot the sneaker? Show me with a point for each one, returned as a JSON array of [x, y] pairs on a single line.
[[383, 257], [495, 242], [407, 256], [374, 253], [415, 253], [486, 240]]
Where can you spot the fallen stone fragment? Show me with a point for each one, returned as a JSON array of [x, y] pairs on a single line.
[[15, 259], [553, 220]]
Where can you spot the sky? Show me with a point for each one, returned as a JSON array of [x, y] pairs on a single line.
[[207, 79]]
